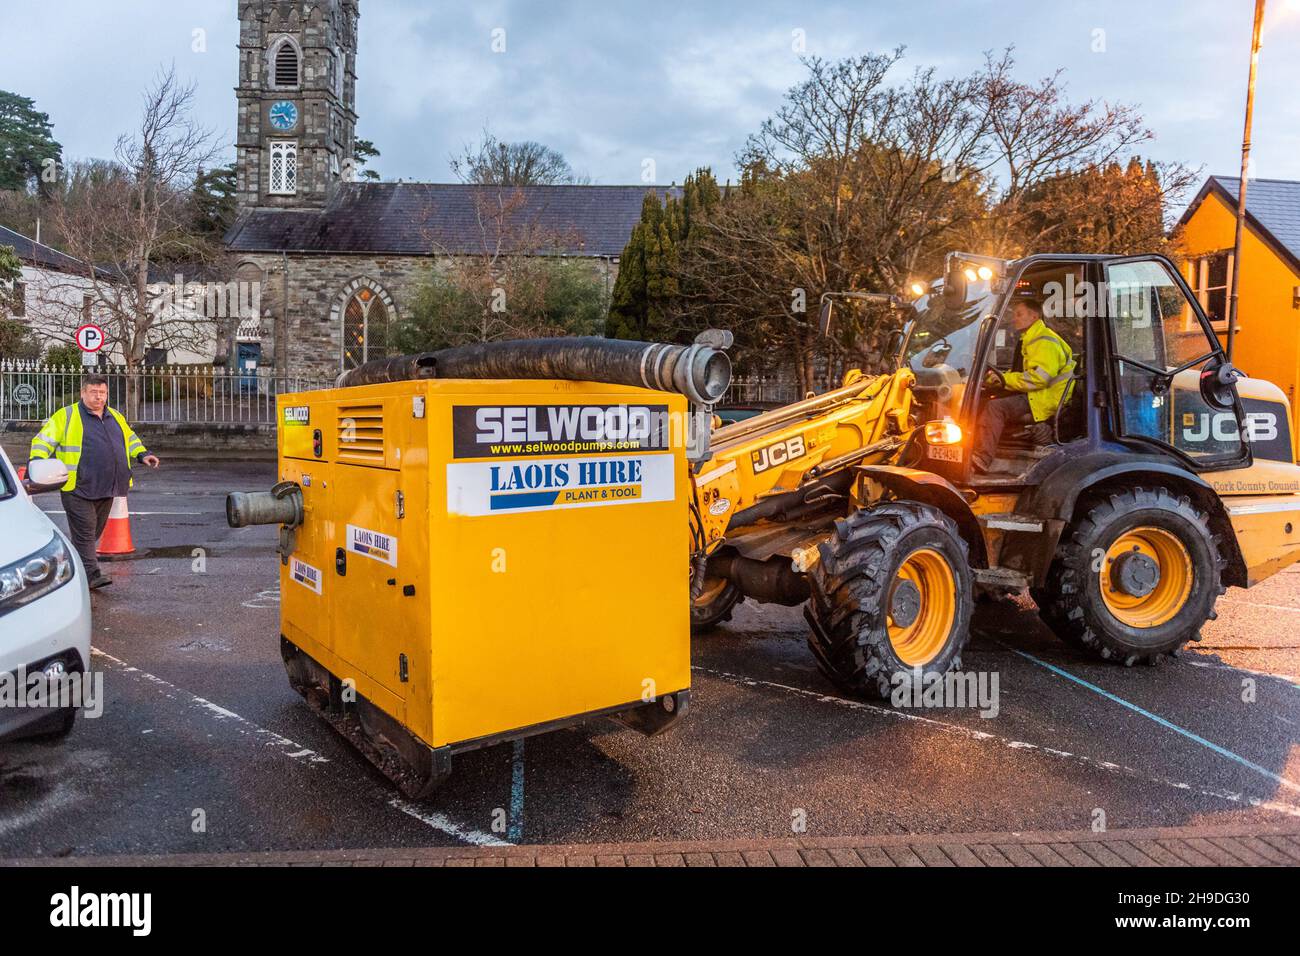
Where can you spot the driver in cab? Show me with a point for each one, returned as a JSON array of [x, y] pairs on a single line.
[[1038, 382]]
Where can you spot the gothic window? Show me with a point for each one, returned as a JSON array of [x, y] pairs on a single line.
[[365, 328], [284, 65], [284, 167]]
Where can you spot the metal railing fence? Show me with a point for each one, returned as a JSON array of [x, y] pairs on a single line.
[[155, 395]]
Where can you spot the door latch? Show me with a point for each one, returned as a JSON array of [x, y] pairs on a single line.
[[340, 561], [403, 671]]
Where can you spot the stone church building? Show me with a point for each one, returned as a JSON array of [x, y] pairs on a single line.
[[339, 260]]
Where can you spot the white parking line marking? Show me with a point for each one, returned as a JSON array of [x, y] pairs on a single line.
[[1216, 666], [1277, 607], [58, 798], [1106, 765], [440, 822], [294, 751]]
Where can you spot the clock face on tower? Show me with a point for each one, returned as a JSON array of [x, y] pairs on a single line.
[[283, 115]]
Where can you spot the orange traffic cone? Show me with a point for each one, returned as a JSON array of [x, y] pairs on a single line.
[[116, 539], [22, 472]]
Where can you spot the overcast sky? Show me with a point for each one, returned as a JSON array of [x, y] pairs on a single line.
[[612, 83]]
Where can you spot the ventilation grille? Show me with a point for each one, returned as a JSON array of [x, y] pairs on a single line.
[[361, 434], [286, 65]]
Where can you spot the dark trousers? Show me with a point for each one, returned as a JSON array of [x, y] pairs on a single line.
[[86, 520], [997, 415]]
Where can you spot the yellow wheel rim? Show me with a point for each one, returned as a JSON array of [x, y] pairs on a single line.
[[922, 607], [1131, 594]]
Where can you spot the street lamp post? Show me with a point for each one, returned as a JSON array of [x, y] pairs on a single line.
[[1241, 183]]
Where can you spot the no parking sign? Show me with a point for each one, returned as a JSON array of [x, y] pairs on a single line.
[[90, 337]]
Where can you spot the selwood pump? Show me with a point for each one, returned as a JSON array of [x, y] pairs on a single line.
[[485, 543]]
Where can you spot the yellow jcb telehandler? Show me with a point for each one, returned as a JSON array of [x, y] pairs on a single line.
[[1161, 477]]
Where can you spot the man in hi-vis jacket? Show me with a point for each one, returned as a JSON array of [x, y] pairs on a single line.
[[1039, 382], [98, 447]]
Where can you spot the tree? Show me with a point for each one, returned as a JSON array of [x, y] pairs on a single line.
[[860, 181], [848, 186], [134, 216], [11, 272], [214, 201], [492, 162], [532, 297], [63, 355], [16, 340], [363, 151], [1063, 212], [647, 302], [28, 151], [517, 283]]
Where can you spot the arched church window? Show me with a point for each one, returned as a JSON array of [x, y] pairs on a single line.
[[365, 328], [285, 64]]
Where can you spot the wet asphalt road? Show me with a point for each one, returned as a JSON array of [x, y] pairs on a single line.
[[204, 748]]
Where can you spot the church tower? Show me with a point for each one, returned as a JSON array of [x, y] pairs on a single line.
[[297, 101]]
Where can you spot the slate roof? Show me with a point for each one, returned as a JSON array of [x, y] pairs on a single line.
[[449, 218], [38, 254], [1272, 210]]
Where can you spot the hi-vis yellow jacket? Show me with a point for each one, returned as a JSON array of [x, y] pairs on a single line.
[[60, 437], [1049, 366]]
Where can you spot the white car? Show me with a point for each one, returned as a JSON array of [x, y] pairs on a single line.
[[44, 606]]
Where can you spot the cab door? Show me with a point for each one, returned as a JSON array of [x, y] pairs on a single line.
[[1160, 343]]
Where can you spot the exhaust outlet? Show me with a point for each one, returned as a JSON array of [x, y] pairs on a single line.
[[281, 505]]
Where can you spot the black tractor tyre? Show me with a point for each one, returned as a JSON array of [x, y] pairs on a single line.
[[706, 614], [855, 584], [1072, 603]]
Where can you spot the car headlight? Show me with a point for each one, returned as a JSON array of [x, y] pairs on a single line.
[[35, 575]]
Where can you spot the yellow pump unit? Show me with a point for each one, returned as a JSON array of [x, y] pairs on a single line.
[[465, 562]]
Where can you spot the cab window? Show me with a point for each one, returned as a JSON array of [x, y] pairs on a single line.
[[1160, 346]]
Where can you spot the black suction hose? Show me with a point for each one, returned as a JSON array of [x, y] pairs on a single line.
[[700, 372]]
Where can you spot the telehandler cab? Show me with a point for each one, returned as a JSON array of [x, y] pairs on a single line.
[[1162, 476]]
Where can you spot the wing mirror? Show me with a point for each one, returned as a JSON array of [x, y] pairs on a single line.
[[824, 317], [45, 474], [894, 344], [1218, 384], [954, 284]]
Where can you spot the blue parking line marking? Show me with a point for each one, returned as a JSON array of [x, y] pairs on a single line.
[[1221, 751], [516, 830]]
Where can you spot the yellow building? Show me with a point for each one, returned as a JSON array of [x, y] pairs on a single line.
[[1268, 323]]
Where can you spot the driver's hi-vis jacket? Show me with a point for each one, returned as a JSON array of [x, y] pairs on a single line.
[[1049, 368], [60, 437]]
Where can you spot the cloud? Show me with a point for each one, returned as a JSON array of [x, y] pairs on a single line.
[[610, 84]]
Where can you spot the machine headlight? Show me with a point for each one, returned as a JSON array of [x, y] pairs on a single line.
[[946, 432], [35, 575]]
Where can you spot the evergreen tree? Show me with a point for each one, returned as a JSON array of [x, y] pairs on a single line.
[[646, 302], [26, 144], [214, 201], [363, 151]]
